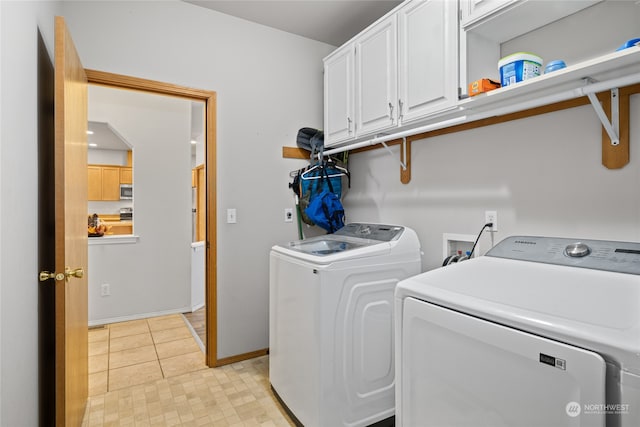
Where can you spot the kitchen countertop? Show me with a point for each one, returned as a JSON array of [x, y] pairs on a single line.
[[114, 239]]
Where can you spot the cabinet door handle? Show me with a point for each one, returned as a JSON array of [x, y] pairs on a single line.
[[391, 112], [400, 115], [349, 124]]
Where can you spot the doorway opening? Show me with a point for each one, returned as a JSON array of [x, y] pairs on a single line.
[[208, 99]]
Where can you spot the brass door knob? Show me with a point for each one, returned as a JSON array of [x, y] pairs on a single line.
[[45, 275], [77, 272]]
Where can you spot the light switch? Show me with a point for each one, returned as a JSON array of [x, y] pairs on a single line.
[[231, 216]]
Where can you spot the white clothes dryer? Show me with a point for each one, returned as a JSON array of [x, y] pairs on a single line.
[[331, 351], [539, 332]]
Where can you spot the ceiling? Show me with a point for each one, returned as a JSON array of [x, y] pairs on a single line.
[[106, 137], [329, 21]]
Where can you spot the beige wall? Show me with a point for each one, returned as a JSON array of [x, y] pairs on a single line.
[[543, 175], [19, 25], [269, 84]]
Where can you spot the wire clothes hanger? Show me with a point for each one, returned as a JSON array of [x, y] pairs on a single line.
[[343, 171]]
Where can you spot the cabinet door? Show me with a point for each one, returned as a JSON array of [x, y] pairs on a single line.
[[474, 10], [428, 58], [376, 77], [95, 183], [126, 176], [338, 96], [110, 183]]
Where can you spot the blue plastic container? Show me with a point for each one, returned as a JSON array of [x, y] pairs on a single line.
[[629, 43], [518, 67], [554, 66]]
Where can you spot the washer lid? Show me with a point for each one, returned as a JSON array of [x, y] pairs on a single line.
[[593, 309], [326, 245], [324, 250], [381, 232], [354, 240]]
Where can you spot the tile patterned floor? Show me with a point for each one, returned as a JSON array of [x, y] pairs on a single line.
[[172, 387], [131, 353]]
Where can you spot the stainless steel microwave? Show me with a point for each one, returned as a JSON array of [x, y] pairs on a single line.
[[126, 192]]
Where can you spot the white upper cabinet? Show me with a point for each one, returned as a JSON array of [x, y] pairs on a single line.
[[409, 70], [427, 58], [475, 10], [376, 76], [405, 67], [338, 95]]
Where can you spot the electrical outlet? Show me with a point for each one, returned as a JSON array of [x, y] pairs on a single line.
[[105, 290], [491, 217], [231, 216], [288, 215]]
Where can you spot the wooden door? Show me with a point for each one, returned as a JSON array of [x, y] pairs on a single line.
[[71, 319]]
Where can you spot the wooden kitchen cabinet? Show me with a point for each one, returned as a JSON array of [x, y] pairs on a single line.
[[198, 174], [115, 225], [110, 183], [104, 182], [95, 183], [126, 175]]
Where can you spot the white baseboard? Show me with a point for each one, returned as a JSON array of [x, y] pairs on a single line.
[[197, 307], [138, 316]]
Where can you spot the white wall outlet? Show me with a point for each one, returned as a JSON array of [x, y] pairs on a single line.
[[288, 215], [231, 216], [105, 290], [491, 217]]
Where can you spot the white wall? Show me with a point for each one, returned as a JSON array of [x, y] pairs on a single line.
[[543, 175], [153, 274], [105, 157], [269, 84], [19, 24]]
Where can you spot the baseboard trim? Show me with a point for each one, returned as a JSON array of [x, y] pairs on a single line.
[[197, 307], [138, 316], [241, 357]]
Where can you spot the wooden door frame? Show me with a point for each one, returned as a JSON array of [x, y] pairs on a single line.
[[209, 98]]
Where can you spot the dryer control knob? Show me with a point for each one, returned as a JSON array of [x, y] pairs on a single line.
[[577, 250]]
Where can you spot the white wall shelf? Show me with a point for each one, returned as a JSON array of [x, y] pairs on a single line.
[[624, 64], [605, 73], [597, 79]]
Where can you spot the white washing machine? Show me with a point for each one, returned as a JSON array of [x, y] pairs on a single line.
[[539, 332], [331, 345]]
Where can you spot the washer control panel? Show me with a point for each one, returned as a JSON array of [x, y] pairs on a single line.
[[577, 250], [383, 233], [621, 257]]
